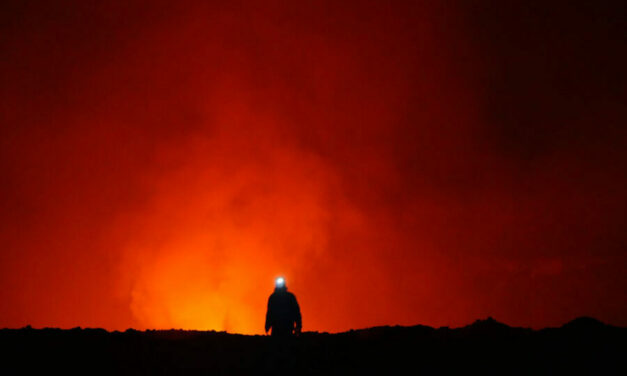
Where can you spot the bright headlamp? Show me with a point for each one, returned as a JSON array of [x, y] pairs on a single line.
[[279, 282]]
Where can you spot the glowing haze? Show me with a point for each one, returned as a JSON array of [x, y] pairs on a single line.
[[397, 164]]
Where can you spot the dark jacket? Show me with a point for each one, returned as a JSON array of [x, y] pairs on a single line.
[[283, 314]]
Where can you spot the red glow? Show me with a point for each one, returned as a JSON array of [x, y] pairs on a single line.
[[161, 166]]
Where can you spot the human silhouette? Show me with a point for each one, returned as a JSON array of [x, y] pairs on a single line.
[[283, 314]]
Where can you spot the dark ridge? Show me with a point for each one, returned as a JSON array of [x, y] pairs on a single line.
[[582, 346], [585, 322]]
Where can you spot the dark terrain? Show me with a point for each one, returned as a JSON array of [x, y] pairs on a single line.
[[583, 346]]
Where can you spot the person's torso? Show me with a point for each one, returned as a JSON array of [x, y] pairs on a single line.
[[282, 307]]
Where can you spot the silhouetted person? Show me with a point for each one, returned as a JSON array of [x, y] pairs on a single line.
[[283, 314]]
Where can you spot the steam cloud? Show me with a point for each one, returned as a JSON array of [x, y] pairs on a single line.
[[399, 164]]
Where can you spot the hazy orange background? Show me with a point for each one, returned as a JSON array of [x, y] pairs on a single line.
[[398, 163]]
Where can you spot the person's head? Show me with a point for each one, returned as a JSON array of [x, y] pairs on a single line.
[[279, 283]]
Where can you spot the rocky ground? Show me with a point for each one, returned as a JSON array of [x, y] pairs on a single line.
[[583, 346]]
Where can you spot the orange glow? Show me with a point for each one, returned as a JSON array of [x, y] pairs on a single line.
[[226, 223], [398, 162]]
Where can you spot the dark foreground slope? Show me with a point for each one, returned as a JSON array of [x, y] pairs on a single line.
[[583, 346]]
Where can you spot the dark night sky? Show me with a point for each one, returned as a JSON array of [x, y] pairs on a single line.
[[399, 162]]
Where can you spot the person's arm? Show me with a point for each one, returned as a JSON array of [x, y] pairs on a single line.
[[269, 315], [299, 322]]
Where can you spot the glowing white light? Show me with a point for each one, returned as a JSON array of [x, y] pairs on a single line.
[[280, 282]]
